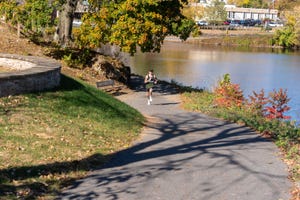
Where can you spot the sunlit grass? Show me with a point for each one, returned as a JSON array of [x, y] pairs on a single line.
[[52, 137]]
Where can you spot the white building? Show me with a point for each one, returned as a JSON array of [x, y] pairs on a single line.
[[251, 13], [234, 12]]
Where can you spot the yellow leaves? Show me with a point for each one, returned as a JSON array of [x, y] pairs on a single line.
[[291, 20], [104, 13], [143, 39], [129, 6], [131, 23]]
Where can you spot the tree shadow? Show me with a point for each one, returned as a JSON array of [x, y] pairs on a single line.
[[69, 84], [178, 142], [82, 96], [170, 146], [39, 188]]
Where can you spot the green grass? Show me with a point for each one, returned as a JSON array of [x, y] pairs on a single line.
[[51, 138], [246, 41]]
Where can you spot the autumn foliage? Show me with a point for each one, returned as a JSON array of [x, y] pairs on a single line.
[[273, 106], [228, 94], [257, 102], [278, 105], [133, 24]]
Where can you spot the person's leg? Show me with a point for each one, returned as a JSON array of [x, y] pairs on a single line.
[[150, 94]]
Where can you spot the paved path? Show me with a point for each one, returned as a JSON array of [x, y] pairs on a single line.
[[183, 156]]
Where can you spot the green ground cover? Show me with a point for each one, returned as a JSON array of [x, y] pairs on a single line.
[[51, 138]]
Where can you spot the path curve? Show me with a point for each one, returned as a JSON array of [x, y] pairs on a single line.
[[185, 155]]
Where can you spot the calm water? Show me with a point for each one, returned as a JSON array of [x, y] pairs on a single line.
[[202, 67]]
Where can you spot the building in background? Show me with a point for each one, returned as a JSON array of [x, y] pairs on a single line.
[[251, 13], [237, 13]]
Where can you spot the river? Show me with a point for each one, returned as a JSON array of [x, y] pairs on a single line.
[[199, 66]]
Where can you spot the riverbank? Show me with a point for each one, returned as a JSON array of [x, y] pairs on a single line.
[[242, 38], [284, 134]]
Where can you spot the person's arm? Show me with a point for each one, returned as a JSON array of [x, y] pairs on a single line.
[[155, 79], [146, 79]]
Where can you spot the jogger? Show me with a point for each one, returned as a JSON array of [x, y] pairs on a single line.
[[150, 81]]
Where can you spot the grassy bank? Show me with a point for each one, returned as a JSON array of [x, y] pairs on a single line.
[[285, 134], [235, 38], [241, 41], [50, 138]]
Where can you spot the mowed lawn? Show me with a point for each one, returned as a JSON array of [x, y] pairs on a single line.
[[50, 138]]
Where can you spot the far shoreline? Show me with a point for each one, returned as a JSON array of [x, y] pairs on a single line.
[[242, 38]]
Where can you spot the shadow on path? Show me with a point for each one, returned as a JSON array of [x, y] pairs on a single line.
[[189, 156]]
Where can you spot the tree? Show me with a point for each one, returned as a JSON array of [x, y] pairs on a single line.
[[133, 23], [194, 12], [34, 15], [126, 23], [288, 36], [66, 17], [216, 13], [250, 3]]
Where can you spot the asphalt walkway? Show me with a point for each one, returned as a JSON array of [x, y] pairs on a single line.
[[185, 155]]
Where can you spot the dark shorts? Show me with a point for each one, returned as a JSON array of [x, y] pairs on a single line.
[[149, 85]]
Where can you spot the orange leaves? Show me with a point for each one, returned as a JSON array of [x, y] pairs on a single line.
[[228, 94]]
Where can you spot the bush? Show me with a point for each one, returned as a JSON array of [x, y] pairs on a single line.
[[287, 37], [77, 58], [257, 103], [228, 95], [278, 101]]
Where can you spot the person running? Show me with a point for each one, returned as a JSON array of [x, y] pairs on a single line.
[[150, 81]]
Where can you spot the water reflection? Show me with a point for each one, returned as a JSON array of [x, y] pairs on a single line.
[[202, 67]]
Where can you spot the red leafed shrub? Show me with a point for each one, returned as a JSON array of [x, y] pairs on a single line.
[[278, 105], [228, 94], [257, 102]]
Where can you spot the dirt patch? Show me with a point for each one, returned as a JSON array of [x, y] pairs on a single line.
[[11, 43]]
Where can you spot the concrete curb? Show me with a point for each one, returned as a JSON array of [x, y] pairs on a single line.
[[33, 74]]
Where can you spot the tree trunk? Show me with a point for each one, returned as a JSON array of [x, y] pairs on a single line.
[[66, 16], [19, 29]]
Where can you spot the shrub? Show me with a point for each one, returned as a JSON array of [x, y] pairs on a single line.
[[278, 105], [77, 58], [257, 103], [287, 37], [228, 95]]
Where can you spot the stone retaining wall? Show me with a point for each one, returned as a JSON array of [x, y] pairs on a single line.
[[34, 74]]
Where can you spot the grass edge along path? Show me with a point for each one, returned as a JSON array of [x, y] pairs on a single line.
[[202, 101], [51, 138]]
